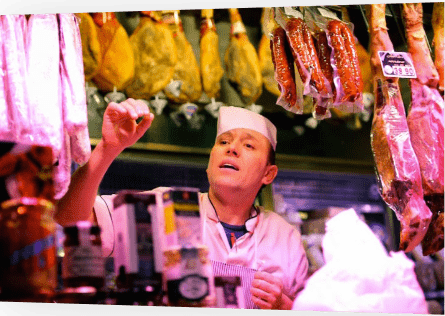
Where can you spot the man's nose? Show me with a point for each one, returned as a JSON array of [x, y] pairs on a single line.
[[233, 149]]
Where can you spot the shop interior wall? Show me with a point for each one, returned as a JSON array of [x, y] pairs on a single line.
[[331, 146]]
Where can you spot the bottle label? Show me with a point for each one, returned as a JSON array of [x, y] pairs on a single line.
[[83, 261]]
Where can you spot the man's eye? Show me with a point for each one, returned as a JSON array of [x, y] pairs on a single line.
[[249, 146], [223, 142]]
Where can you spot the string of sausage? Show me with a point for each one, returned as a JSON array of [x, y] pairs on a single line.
[[346, 60], [284, 69]]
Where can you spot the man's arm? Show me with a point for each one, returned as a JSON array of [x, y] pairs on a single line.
[[119, 130]]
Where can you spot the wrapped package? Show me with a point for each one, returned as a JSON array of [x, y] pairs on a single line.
[[397, 166], [155, 56], [284, 71], [303, 49], [73, 95], [338, 58], [426, 125], [14, 76], [359, 276], [43, 57]]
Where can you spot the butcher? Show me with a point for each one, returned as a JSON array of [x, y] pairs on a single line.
[[240, 236]]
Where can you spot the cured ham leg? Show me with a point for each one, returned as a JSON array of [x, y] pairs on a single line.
[[439, 48], [210, 62], [241, 61], [186, 70], [426, 125], [155, 57], [397, 167]]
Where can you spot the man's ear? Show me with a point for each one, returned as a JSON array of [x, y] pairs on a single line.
[[270, 174]]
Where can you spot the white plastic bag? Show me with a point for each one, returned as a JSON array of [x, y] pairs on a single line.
[[359, 276]]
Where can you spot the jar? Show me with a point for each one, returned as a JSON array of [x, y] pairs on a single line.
[[28, 265], [188, 277], [83, 264]]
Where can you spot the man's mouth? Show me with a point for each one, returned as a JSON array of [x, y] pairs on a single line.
[[228, 166]]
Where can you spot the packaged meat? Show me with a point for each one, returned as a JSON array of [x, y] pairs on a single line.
[[306, 59], [155, 57], [62, 171], [305, 55], [5, 122], [426, 126], [73, 95], [343, 59], [241, 61], [439, 48], [284, 71], [397, 167], [425, 70], [265, 53], [210, 62], [117, 66], [14, 29], [91, 53], [186, 69], [74, 103], [43, 57]]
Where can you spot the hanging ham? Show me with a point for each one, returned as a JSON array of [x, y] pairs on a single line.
[[439, 49], [426, 125], [211, 69], [241, 61], [397, 167], [265, 55], [91, 53], [155, 57], [117, 67], [186, 70]]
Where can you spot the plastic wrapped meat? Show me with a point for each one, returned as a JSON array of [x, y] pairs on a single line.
[[397, 167], [14, 28], [62, 171], [5, 123], [75, 116], [43, 81], [426, 125]]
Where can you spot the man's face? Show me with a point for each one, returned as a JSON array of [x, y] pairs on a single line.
[[239, 160]]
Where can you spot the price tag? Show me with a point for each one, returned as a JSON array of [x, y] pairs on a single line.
[[397, 64]]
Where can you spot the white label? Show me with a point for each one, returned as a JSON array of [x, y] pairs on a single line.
[[83, 262], [238, 27], [397, 64], [292, 12], [328, 14], [193, 287]]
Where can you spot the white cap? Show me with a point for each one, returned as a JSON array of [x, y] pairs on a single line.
[[231, 117]]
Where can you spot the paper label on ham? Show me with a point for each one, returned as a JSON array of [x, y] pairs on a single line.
[[397, 64]]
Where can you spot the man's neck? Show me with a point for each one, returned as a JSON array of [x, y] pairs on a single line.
[[233, 209]]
